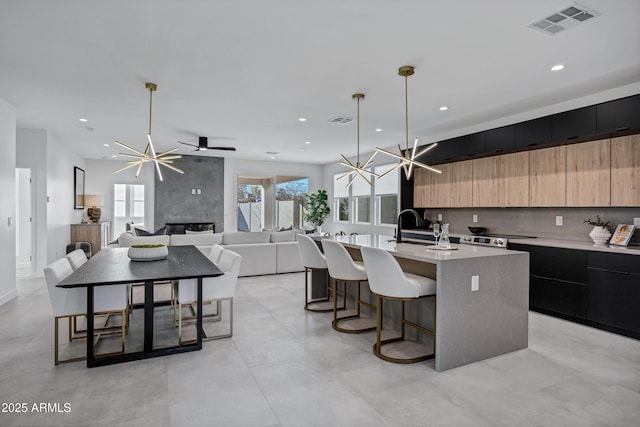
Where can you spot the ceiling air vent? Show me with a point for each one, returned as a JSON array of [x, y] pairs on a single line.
[[567, 17], [341, 120]]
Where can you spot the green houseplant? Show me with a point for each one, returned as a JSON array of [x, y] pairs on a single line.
[[318, 209], [600, 234]]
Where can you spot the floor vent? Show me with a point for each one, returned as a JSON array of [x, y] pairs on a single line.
[[567, 17], [341, 120]]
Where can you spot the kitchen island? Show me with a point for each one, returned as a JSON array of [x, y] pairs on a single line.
[[471, 325]]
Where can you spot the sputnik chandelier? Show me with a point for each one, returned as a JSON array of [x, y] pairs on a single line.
[[408, 157], [357, 170], [149, 155]]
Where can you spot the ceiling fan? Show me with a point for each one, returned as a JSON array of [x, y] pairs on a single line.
[[203, 145]]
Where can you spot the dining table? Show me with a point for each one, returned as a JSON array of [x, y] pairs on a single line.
[[112, 266]]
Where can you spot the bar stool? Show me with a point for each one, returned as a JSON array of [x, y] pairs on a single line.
[[388, 281], [342, 268], [313, 260]]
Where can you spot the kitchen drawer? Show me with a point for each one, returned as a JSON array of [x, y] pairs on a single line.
[[622, 263], [559, 263], [565, 298]]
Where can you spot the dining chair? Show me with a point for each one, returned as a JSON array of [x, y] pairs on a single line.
[[71, 303], [219, 288], [388, 282], [342, 268], [312, 260]]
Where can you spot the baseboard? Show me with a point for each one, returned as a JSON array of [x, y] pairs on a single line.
[[8, 296]]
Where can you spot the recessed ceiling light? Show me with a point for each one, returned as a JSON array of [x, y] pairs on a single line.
[[557, 67], [273, 157], [106, 145], [444, 108], [378, 130], [302, 119], [114, 155], [307, 142], [83, 120]]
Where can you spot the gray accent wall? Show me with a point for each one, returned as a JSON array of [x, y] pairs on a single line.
[[174, 201]]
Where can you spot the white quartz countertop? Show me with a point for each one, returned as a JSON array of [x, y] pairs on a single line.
[[585, 246], [420, 252]]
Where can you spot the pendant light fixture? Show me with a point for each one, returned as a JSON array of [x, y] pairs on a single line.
[[357, 170], [408, 157], [149, 154]]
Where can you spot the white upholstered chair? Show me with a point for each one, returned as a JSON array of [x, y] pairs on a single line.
[[342, 268], [71, 303], [312, 260], [213, 289], [215, 253], [76, 258], [388, 281]]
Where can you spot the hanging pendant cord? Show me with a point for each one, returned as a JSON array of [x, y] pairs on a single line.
[[358, 162], [150, 103], [406, 112]]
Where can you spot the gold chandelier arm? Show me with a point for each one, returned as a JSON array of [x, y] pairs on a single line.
[[167, 158], [139, 168], [165, 164], [395, 168], [429, 147], [130, 148], [413, 156], [125, 167]]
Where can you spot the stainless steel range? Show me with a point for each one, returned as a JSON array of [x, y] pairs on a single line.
[[496, 241]]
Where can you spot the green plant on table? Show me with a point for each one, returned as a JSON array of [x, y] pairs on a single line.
[[318, 209], [597, 222], [148, 245]]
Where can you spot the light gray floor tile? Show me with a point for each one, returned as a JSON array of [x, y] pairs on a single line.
[[286, 366]]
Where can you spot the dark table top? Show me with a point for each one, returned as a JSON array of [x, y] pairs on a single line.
[[113, 266]]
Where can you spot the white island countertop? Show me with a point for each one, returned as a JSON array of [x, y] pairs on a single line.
[[419, 252]]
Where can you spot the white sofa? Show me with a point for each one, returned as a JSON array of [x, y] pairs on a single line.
[[262, 252]]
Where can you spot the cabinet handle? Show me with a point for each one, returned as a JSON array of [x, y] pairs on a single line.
[[622, 128], [626, 273]]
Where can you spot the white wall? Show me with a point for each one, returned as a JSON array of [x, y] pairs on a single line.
[[31, 152], [24, 239], [7, 202], [60, 212], [233, 167], [99, 179]]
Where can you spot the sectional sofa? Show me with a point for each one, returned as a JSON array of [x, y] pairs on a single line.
[[262, 252]]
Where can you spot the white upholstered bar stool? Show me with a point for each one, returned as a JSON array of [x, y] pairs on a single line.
[[213, 289], [71, 303], [312, 260], [342, 268], [388, 281]]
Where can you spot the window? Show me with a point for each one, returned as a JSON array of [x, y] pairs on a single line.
[[386, 192], [340, 199], [251, 190], [361, 192], [290, 191], [128, 206]]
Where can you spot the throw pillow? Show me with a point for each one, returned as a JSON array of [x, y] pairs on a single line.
[[198, 232], [160, 232]]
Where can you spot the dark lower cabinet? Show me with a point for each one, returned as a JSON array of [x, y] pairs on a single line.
[[557, 296], [614, 299], [599, 289]]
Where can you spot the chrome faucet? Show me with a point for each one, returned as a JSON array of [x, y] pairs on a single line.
[[419, 223]]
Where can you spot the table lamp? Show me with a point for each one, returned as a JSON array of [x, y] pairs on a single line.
[[94, 200]]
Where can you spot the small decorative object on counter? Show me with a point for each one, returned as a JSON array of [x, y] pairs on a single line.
[[147, 252], [600, 234], [622, 235], [444, 242]]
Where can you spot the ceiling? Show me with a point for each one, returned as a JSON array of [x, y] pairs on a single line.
[[243, 72]]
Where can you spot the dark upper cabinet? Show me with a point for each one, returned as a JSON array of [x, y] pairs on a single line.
[[617, 115], [500, 139], [461, 147], [430, 156], [574, 124], [533, 132]]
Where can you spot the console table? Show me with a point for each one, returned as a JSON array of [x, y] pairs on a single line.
[[98, 234]]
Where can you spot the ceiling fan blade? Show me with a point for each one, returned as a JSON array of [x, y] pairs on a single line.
[[222, 148]]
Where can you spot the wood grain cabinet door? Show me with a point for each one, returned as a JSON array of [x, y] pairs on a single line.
[[441, 192], [625, 171], [486, 182], [514, 180], [462, 184], [422, 188], [589, 173], [548, 177]]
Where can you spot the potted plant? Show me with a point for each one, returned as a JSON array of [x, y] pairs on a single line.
[[600, 234], [318, 209]]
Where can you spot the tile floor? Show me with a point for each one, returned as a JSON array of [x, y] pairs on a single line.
[[287, 367]]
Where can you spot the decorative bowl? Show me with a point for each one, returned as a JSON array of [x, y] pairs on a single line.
[[477, 230], [148, 252]]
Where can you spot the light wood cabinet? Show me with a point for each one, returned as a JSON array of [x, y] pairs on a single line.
[[548, 177], [625, 171], [441, 187], [486, 185], [514, 180], [461, 184], [589, 174], [421, 188], [98, 235]]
